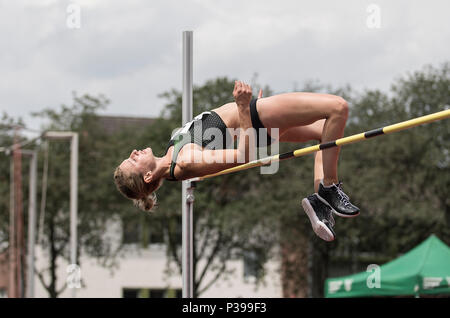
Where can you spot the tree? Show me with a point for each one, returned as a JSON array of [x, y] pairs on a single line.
[[400, 181], [6, 141], [11, 251], [413, 163], [99, 203]]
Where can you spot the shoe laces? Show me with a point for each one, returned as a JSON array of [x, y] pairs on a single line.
[[343, 197]]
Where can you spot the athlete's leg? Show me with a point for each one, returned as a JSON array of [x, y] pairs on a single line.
[[304, 134], [318, 170], [286, 111], [319, 214]]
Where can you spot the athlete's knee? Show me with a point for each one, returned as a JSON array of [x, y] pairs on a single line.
[[340, 107]]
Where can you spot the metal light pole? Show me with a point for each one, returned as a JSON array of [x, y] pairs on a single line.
[[73, 189], [31, 224], [31, 221], [12, 288], [187, 193]]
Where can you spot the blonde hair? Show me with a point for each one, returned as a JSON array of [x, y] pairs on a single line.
[[133, 187]]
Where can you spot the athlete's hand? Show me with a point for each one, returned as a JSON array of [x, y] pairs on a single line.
[[260, 93], [242, 94]]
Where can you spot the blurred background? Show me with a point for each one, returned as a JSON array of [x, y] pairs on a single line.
[[111, 72]]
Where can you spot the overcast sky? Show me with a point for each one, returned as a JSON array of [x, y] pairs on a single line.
[[130, 51]]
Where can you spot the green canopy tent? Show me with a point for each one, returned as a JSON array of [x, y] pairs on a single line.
[[424, 270]]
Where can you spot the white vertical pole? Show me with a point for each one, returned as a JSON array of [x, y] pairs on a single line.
[[73, 200], [73, 136], [186, 193], [12, 233], [31, 224]]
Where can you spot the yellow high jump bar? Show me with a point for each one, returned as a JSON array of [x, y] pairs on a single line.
[[339, 142]]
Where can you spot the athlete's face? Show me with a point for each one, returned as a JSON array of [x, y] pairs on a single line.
[[139, 161]]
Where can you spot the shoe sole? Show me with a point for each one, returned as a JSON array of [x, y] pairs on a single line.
[[318, 226], [334, 211]]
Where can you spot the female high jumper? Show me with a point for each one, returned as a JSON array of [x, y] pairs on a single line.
[[299, 117]]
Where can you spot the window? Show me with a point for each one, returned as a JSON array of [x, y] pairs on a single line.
[[156, 232], [151, 293], [144, 230], [130, 232], [253, 265], [130, 293], [175, 230]]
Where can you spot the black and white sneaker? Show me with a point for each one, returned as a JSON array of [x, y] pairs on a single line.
[[337, 200], [320, 216]]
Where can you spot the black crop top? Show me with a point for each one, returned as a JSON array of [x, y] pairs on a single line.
[[195, 132]]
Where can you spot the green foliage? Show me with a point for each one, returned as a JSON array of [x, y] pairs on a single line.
[[401, 181], [7, 125]]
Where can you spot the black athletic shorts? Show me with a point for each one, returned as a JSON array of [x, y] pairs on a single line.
[[262, 136]]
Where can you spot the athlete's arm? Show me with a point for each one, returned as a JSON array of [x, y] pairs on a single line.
[[196, 163], [243, 94]]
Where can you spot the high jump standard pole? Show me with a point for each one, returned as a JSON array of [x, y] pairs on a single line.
[[31, 222], [187, 190]]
